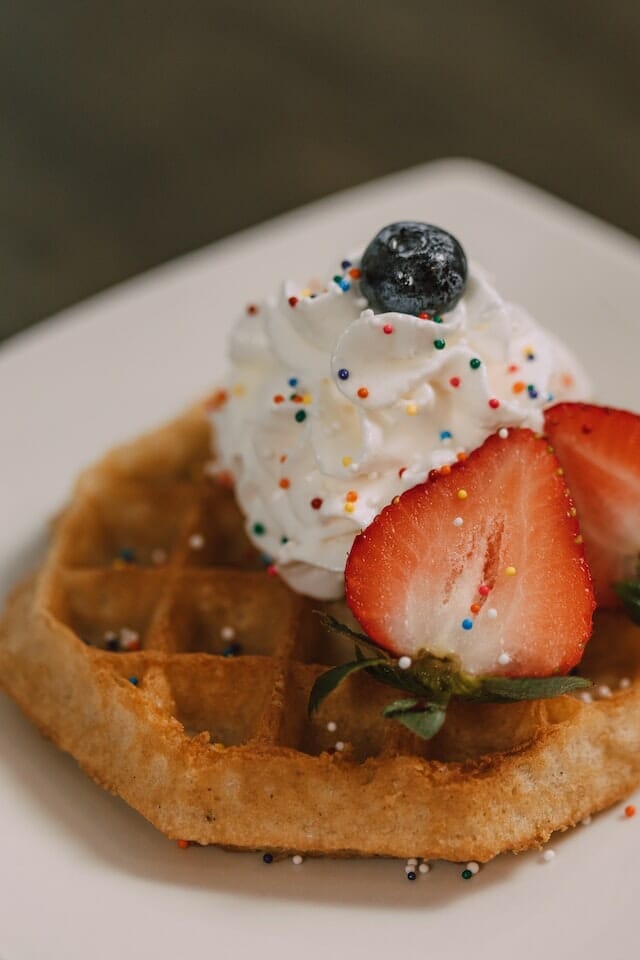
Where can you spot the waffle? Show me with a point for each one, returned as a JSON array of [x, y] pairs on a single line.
[[210, 740]]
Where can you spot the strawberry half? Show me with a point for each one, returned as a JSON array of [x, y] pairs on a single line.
[[484, 563], [599, 449]]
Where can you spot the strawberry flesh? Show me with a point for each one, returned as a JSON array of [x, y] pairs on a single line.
[[419, 580], [599, 449]]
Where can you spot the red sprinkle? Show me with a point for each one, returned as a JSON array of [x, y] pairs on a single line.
[[284, 483], [424, 316], [316, 503], [513, 368], [493, 403], [484, 590], [630, 811], [292, 301], [455, 381], [387, 328], [278, 398], [183, 844], [271, 570], [363, 393], [252, 309]]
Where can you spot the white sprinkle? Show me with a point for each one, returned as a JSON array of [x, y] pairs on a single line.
[[586, 821], [548, 855], [503, 433], [503, 659], [404, 663], [354, 467], [158, 556], [603, 691], [340, 746], [409, 868], [297, 859], [424, 868], [332, 726], [458, 521], [473, 867], [196, 541], [227, 633], [492, 613], [625, 683], [412, 861], [586, 697], [363, 303], [128, 638]]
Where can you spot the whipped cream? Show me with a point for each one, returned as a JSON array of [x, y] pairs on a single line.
[[331, 409]]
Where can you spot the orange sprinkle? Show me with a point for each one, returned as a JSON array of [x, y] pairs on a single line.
[[462, 494], [445, 469], [278, 398], [363, 393], [183, 844], [283, 457], [513, 368], [354, 273], [567, 380], [284, 483], [217, 400], [519, 386], [395, 500], [351, 496], [630, 810], [461, 456], [475, 608]]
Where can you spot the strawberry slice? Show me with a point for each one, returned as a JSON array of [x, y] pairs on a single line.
[[484, 563], [599, 449]]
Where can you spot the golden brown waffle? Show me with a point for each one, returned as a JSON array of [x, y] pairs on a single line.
[[219, 749]]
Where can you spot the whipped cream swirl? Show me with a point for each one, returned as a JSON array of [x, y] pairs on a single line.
[[332, 410]]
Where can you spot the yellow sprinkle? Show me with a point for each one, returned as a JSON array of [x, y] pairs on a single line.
[[349, 507], [579, 539], [347, 461], [306, 292], [573, 512], [510, 571], [411, 409], [239, 390], [306, 398], [560, 472], [462, 495]]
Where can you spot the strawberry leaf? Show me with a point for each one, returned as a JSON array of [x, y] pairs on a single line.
[[510, 689], [629, 593], [328, 681], [422, 718]]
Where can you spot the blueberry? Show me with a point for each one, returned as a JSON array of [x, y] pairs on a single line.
[[413, 268]]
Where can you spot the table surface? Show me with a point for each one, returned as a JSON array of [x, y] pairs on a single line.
[[129, 137]]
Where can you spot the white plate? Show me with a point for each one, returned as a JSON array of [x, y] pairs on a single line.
[[82, 875]]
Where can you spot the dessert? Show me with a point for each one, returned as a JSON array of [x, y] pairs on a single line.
[[156, 646]]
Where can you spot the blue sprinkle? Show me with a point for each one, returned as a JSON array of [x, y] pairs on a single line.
[[134, 681], [343, 374], [127, 554], [267, 857], [412, 875], [550, 398], [467, 624], [293, 381], [533, 393], [445, 434], [232, 650], [345, 264], [531, 356], [344, 285], [266, 559]]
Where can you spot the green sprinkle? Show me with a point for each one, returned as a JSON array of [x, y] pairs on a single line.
[[439, 344], [284, 539], [475, 363], [466, 874], [437, 318], [301, 415], [337, 278], [259, 529]]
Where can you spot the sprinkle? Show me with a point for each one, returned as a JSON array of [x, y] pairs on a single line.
[[475, 363], [630, 810], [307, 398], [134, 681], [461, 456], [349, 507], [347, 461], [548, 856], [252, 309], [462, 494], [332, 726], [343, 373], [183, 844], [513, 368], [437, 318], [316, 503], [494, 403], [531, 390], [111, 640], [510, 571], [158, 556], [475, 608], [267, 857], [586, 697], [343, 284], [455, 381], [284, 539], [395, 501], [129, 639], [560, 472], [297, 859], [293, 381], [301, 415], [579, 539], [473, 867], [196, 541], [405, 662], [401, 472], [284, 483], [504, 659], [345, 264], [227, 633], [466, 874], [339, 746], [412, 861], [292, 301], [518, 386], [259, 529], [467, 624], [484, 590], [424, 868], [232, 650], [387, 328], [411, 409], [503, 433], [127, 555], [439, 344], [272, 570], [458, 521], [445, 435], [424, 316], [492, 613], [363, 393], [351, 496], [603, 691], [625, 683]]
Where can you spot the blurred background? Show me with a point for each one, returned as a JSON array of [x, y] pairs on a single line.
[[132, 132]]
